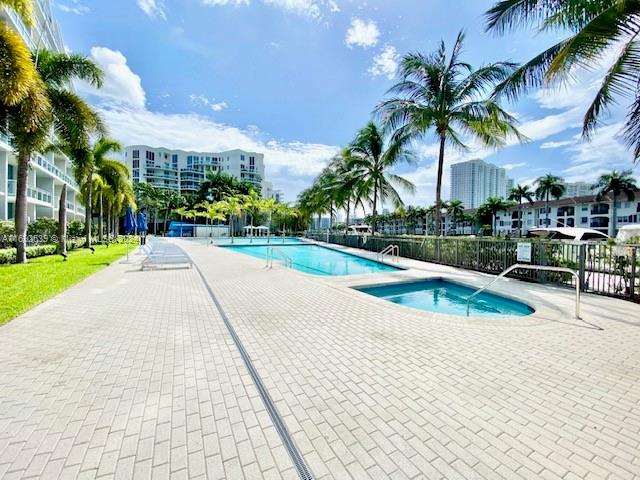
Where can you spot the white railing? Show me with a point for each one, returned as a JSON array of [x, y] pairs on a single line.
[[392, 250], [51, 168], [271, 251], [532, 267]]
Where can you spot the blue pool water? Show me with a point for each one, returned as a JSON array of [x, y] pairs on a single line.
[[317, 260], [450, 298], [256, 240]]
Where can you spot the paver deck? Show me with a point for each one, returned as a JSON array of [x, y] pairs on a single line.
[[133, 373]]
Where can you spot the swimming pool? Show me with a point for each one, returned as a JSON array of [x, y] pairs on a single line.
[[317, 260], [442, 296]]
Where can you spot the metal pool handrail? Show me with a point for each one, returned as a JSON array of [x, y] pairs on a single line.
[[287, 259], [532, 267], [392, 250]]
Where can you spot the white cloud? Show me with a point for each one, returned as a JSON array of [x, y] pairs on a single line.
[[385, 63], [362, 33], [73, 6], [121, 86], [153, 8], [511, 166], [209, 103], [309, 8], [559, 144]]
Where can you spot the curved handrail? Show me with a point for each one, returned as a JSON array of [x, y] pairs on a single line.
[[392, 250], [288, 262], [532, 267]]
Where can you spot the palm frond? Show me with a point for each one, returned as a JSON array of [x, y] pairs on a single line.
[[58, 69], [17, 71], [24, 9]]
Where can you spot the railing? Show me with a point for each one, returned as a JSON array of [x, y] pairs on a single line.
[[604, 269], [522, 266], [11, 187], [392, 250], [39, 194], [271, 251], [51, 168]]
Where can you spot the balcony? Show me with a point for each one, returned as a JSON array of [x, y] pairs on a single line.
[[11, 187], [599, 223], [39, 194], [51, 168], [602, 209]]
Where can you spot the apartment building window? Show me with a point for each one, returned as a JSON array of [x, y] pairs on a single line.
[[242, 158], [151, 155], [252, 163], [584, 220], [136, 163], [136, 154]]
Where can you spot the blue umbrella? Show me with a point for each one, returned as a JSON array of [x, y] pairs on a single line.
[[142, 223], [129, 222]]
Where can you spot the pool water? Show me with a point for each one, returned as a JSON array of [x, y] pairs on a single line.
[[450, 298], [273, 240], [317, 260]]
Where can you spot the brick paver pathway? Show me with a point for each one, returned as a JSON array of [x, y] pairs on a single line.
[[133, 374]]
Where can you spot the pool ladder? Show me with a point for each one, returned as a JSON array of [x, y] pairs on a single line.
[[271, 251], [392, 250], [518, 266]]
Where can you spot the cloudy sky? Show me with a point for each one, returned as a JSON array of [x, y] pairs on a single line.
[[295, 79]]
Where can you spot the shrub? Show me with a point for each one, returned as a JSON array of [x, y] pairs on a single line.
[[43, 228], [75, 228], [7, 234]]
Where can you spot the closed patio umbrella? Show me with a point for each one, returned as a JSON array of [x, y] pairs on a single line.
[[129, 226]]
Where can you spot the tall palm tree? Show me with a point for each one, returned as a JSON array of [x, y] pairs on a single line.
[[115, 193], [52, 105], [616, 183], [455, 208], [519, 193], [594, 29], [440, 93], [373, 158], [549, 186]]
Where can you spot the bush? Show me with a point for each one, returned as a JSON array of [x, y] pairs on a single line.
[[75, 228], [43, 228], [7, 234]]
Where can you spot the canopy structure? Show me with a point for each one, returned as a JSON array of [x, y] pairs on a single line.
[[129, 222], [568, 233], [628, 233], [259, 231]]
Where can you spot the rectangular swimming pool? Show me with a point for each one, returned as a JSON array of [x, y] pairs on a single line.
[[442, 296], [316, 260]]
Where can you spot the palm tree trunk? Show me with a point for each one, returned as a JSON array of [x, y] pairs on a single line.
[[100, 220], [375, 206], [21, 206], [614, 217], [87, 211], [520, 218], [108, 224], [348, 208], [439, 184], [62, 221], [546, 210]]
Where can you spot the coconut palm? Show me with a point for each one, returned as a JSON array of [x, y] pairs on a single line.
[[116, 192], [439, 93], [549, 186], [615, 184], [594, 29], [52, 105], [372, 159], [519, 193], [455, 209], [314, 201], [232, 207]]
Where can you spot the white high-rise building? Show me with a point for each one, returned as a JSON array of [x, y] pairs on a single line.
[[578, 189], [474, 181], [50, 171], [184, 171]]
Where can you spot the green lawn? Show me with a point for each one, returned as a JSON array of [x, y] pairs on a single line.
[[24, 286]]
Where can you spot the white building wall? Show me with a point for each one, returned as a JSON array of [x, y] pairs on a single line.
[[474, 181]]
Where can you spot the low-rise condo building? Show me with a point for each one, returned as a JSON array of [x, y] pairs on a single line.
[[49, 171], [184, 171]]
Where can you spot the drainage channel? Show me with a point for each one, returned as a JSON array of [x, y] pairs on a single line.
[[304, 472]]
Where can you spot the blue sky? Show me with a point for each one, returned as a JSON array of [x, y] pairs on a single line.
[[295, 79]]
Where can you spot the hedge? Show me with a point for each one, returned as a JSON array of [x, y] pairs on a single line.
[[8, 255]]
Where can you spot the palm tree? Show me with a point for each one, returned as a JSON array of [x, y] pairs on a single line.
[[20, 77], [373, 158], [549, 186], [442, 94], [115, 193], [518, 194], [595, 29], [615, 183], [233, 208], [52, 105], [492, 206], [455, 208]]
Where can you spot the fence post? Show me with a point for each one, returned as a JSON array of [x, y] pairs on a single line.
[[582, 266], [632, 274]]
